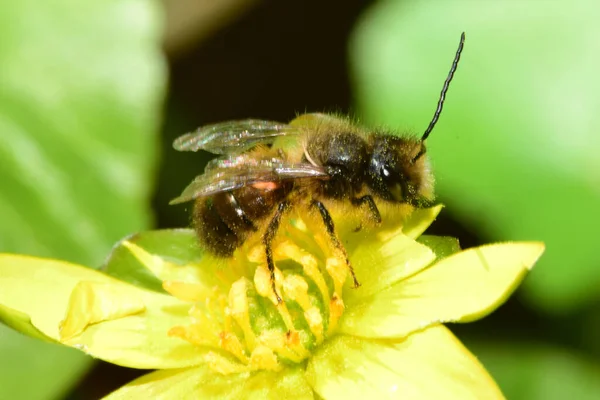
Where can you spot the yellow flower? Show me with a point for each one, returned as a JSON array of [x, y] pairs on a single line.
[[214, 329]]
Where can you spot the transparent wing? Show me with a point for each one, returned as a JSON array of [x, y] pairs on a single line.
[[237, 161], [233, 136], [222, 179]]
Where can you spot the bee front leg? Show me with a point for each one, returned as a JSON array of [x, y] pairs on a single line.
[[368, 200], [268, 240], [329, 225]]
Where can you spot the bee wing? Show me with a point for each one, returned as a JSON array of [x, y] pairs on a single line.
[[233, 136], [216, 180]]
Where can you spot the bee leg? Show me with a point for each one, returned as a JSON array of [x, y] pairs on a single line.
[[368, 200], [268, 240], [329, 225]]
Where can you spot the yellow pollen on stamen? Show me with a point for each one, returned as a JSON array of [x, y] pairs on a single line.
[[285, 315], [315, 322], [296, 288], [263, 358], [336, 309], [193, 334], [289, 250], [223, 365], [247, 326], [292, 340], [262, 282], [230, 343], [256, 254], [204, 329], [338, 270], [199, 316], [238, 309], [311, 269], [277, 341]]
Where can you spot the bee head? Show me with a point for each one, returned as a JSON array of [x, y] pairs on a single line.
[[399, 171]]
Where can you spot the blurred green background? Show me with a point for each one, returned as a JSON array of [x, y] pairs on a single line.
[[92, 94]]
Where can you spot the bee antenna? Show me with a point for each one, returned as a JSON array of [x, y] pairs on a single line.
[[440, 104]]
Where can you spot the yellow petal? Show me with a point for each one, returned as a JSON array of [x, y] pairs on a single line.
[[22, 323], [93, 302], [164, 269], [431, 364], [420, 219], [460, 288], [379, 265], [203, 383], [141, 340], [41, 288]]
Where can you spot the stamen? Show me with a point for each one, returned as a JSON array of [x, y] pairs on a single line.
[[296, 289], [262, 282], [338, 270], [220, 303], [193, 334], [336, 309], [277, 341], [256, 254], [230, 342], [204, 329], [241, 324], [222, 365], [291, 251], [285, 315], [315, 322], [263, 358], [210, 319], [293, 341], [238, 309]]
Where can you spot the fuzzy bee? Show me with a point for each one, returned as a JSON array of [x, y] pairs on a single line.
[[316, 161]]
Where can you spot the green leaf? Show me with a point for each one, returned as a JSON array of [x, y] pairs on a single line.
[[178, 246], [515, 150], [535, 372], [32, 369], [79, 109]]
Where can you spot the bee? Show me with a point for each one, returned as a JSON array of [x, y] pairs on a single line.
[[253, 184]]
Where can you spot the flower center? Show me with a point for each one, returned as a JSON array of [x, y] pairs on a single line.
[[246, 327]]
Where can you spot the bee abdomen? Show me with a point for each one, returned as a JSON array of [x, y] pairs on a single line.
[[224, 221], [214, 233]]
